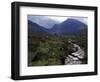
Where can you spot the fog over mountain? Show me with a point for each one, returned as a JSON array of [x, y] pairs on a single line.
[[49, 21], [57, 25], [44, 21]]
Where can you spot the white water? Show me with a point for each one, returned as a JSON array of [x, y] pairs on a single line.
[[75, 57]]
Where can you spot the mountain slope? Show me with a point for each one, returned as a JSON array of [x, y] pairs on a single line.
[[35, 29], [68, 27], [44, 21]]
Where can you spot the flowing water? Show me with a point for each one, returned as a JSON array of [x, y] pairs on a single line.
[[75, 57]]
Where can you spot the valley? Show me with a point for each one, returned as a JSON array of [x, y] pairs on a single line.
[[63, 44]]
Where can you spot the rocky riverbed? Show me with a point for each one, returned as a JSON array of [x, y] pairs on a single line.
[[75, 57]]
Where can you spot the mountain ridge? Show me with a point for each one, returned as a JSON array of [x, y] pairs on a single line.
[[67, 27]]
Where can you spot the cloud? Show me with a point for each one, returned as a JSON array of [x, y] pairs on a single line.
[[59, 18], [50, 21], [44, 21]]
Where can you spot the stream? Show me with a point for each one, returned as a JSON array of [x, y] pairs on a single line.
[[75, 57]]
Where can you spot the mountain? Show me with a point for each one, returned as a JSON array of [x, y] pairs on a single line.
[[43, 21], [83, 31], [69, 27], [36, 29]]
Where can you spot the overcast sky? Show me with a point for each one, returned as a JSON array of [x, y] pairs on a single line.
[[61, 19]]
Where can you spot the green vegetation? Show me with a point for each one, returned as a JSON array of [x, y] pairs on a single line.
[[52, 50]]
